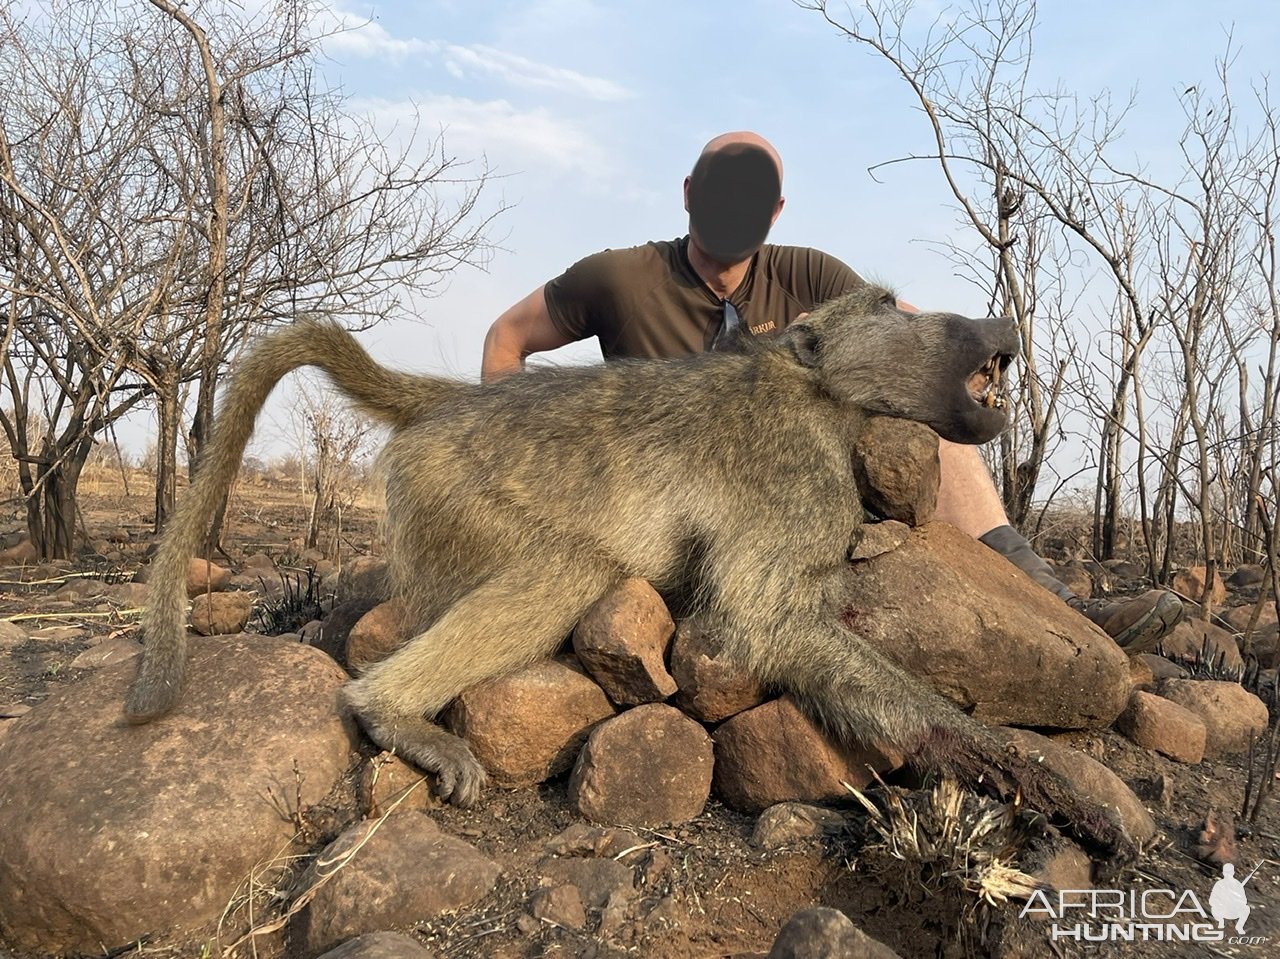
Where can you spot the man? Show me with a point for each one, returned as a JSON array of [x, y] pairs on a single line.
[[673, 298]]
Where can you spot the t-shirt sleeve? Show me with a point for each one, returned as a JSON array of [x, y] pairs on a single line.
[[578, 297], [829, 277]]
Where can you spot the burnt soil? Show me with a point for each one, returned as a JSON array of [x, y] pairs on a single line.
[[703, 890]]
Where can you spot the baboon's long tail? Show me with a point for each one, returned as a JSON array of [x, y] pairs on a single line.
[[392, 397]]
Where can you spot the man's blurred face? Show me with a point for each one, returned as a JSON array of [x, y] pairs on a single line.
[[733, 199]]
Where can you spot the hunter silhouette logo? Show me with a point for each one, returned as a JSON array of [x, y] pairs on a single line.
[[1228, 901], [1147, 914]]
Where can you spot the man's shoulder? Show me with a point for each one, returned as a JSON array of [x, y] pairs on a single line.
[[655, 251], [808, 269], [784, 254]]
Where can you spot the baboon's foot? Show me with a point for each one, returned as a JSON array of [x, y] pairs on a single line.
[[459, 775], [984, 763]]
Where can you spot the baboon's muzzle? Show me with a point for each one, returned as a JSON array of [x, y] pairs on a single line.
[[973, 378]]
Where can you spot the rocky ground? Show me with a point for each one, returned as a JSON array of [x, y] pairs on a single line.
[[256, 821]]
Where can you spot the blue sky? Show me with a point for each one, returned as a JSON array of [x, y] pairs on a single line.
[[593, 112]]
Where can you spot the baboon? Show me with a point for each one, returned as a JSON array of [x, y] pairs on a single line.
[[513, 506]]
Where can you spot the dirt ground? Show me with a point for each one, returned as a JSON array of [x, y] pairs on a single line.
[[708, 892]]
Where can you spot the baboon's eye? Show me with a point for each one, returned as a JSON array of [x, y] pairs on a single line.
[[888, 300]]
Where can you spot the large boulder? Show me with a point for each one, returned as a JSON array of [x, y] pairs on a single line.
[[1231, 715], [388, 873], [110, 832], [948, 609]]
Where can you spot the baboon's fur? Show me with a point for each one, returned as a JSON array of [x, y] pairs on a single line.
[[513, 506]]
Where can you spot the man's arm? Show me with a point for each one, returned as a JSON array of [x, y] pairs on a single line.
[[525, 328]]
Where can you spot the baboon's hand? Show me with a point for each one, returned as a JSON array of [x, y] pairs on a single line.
[[984, 763], [460, 777]]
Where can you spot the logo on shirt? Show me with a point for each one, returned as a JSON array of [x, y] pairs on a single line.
[[763, 328]]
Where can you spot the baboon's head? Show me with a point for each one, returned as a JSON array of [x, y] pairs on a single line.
[[941, 369]]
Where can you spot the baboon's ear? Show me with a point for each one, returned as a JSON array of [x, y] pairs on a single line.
[[805, 342]]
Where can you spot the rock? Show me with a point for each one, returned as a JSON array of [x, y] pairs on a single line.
[[107, 653], [560, 906], [13, 710], [1216, 843], [260, 563], [381, 945], [326, 569], [1090, 778], [876, 539], [1141, 675], [81, 587], [11, 634], [1064, 866], [1075, 577], [585, 839], [822, 933], [1265, 645], [950, 610], [1237, 617], [711, 689], [1162, 668], [129, 595], [528, 726], [388, 783], [1192, 638], [364, 577], [1126, 571], [790, 822], [401, 870], [220, 614], [897, 467], [204, 576], [1190, 583], [157, 825], [332, 632], [773, 754], [1230, 714], [1250, 574], [1154, 722], [597, 880], [622, 640], [649, 766], [20, 554], [377, 634]]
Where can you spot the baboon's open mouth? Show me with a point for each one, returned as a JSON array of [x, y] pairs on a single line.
[[986, 385]]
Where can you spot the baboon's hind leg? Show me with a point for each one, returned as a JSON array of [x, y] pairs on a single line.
[[515, 618]]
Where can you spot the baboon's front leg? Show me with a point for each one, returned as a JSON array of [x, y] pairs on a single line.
[[516, 617], [792, 637]]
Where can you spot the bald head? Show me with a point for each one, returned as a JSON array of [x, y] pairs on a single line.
[[743, 137], [733, 196]]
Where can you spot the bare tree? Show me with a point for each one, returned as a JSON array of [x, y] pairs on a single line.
[[173, 177], [338, 442], [1182, 261]]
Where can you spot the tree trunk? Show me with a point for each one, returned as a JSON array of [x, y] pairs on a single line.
[[166, 452], [51, 513]]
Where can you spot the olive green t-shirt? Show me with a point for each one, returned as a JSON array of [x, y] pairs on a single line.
[[647, 301]]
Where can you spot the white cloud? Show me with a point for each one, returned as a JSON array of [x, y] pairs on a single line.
[[521, 71], [357, 35], [513, 139]]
